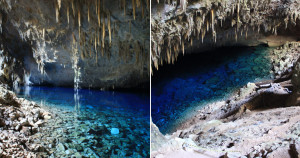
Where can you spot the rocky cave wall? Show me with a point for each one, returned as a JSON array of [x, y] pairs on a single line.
[[180, 26], [87, 43]]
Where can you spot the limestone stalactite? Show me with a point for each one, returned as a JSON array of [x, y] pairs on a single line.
[[213, 19]]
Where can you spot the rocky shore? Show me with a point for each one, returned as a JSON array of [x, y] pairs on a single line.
[[20, 121], [261, 120]]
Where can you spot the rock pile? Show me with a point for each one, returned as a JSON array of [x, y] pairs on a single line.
[[20, 120], [284, 58]]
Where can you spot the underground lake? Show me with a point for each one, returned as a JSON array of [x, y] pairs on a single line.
[[201, 78], [93, 122]]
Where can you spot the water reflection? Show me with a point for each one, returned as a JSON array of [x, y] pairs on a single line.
[[95, 123], [87, 99]]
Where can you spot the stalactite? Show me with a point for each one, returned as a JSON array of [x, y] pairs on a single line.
[[286, 20], [207, 25], [212, 20], [98, 13], [103, 32], [56, 11], [183, 5], [68, 14], [59, 4], [109, 28], [74, 39], [73, 8], [238, 15], [96, 58], [168, 55], [138, 3], [44, 33], [88, 12], [95, 43], [79, 18], [232, 10], [215, 36], [96, 6], [133, 9], [203, 34], [221, 22], [79, 32], [79, 24], [235, 34], [183, 48], [82, 55], [98, 38]]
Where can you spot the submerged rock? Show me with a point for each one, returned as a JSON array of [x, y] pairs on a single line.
[[114, 131]]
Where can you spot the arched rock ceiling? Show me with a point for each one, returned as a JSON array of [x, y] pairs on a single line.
[[96, 43], [180, 26]]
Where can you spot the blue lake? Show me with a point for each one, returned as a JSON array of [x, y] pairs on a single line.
[[102, 123], [198, 79]]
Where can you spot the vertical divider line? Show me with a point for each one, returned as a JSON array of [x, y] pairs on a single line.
[[150, 3]]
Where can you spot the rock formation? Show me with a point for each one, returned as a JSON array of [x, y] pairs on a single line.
[[185, 25], [92, 43], [20, 120]]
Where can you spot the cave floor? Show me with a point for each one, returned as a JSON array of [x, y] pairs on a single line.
[[272, 132]]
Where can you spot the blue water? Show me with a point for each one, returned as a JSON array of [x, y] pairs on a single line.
[[198, 79], [99, 112]]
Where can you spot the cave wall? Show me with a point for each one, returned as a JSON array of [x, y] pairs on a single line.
[[182, 26], [89, 43]]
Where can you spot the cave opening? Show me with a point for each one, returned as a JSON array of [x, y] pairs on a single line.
[[199, 78]]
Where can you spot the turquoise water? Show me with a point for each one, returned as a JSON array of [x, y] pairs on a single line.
[[96, 123], [198, 79]]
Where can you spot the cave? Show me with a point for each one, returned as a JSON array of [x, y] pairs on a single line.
[[150, 78], [225, 78], [74, 78]]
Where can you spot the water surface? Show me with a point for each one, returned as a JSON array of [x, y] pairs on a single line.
[[85, 120], [198, 79]]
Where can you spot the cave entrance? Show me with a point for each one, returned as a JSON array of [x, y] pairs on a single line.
[[199, 78]]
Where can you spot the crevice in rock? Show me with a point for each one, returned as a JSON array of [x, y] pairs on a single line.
[[293, 151]]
